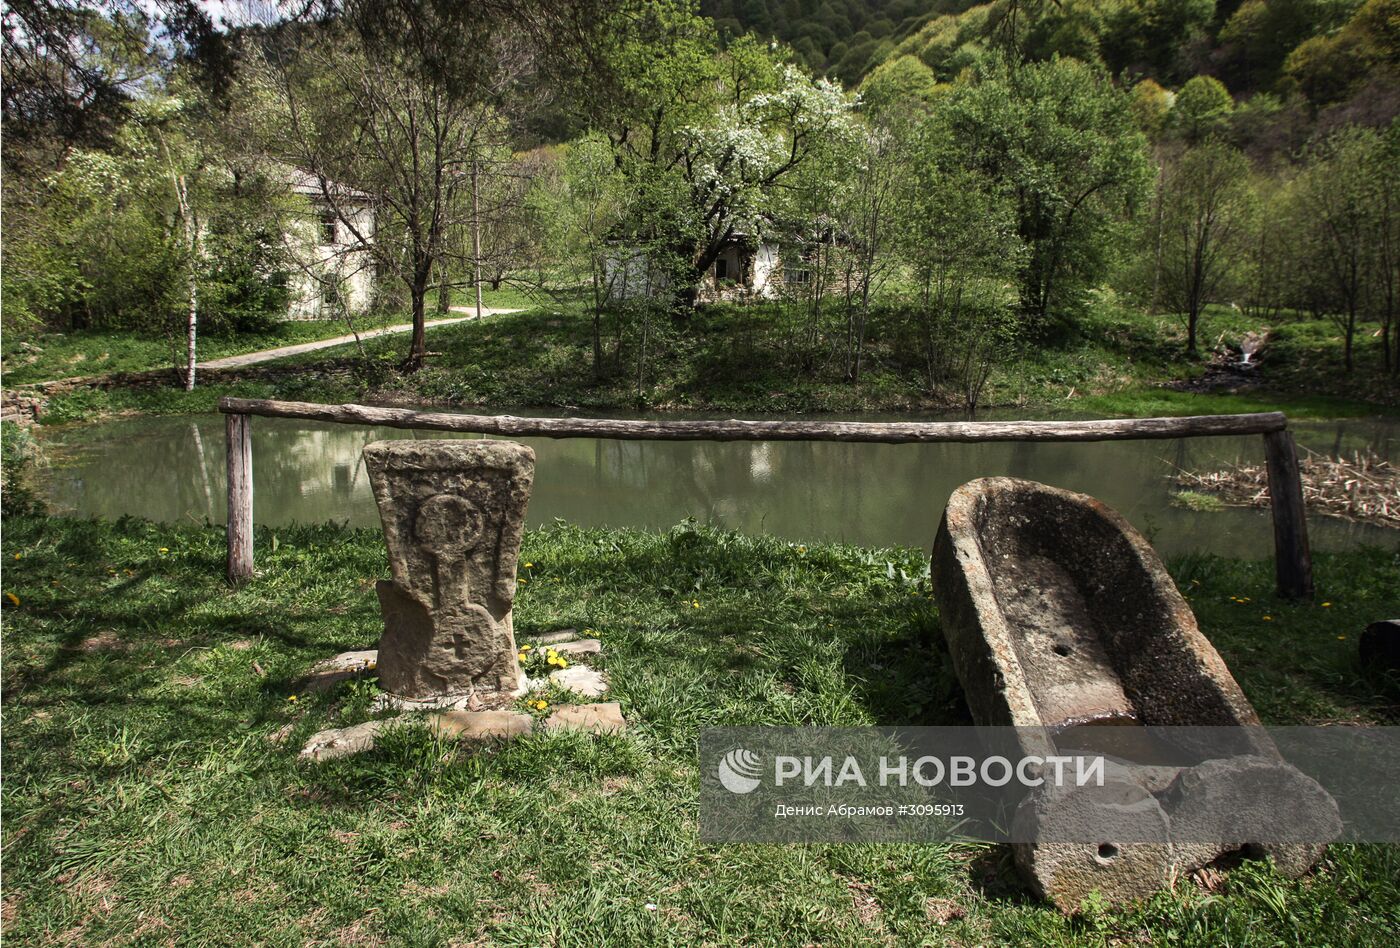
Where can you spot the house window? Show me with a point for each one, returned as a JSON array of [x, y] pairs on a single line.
[[332, 299], [328, 227], [721, 269]]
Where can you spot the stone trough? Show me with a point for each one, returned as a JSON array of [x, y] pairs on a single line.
[[1062, 621]]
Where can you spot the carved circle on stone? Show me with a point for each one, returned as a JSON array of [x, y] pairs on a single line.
[[446, 522]]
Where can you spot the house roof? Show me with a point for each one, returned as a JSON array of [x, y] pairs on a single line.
[[306, 183]]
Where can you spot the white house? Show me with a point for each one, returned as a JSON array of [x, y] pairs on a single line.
[[333, 267], [743, 270]]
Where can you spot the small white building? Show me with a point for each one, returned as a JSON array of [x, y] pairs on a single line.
[[743, 270], [333, 265]]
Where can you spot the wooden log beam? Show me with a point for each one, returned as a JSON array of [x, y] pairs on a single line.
[[1292, 557], [897, 432], [238, 431]]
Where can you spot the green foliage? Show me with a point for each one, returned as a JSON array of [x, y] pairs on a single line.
[[1204, 213], [103, 243], [1153, 36], [708, 139], [1201, 108], [1259, 35], [1057, 138], [17, 495]]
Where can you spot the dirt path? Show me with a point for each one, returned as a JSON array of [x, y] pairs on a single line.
[[282, 352]]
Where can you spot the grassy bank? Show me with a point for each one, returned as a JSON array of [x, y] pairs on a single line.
[[49, 356], [145, 797], [735, 360]]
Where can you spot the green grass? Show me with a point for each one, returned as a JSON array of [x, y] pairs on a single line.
[[736, 360], [1195, 500], [145, 799], [45, 357]]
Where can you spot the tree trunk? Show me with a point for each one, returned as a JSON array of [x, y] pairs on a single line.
[[444, 294], [191, 330], [476, 235], [1350, 334], [418, 350], [597, 323], [191, 226]]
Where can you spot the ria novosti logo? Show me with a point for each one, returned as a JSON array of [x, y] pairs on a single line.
[[739, 771]]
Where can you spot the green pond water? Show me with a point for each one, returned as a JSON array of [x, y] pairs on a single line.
[[172, 469]]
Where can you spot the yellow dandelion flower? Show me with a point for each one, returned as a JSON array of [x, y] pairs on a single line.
[[520, 657], [1327, 605], [1341, 638], [529, 565], [14, 600], [164, 549], [523, 580], [695, 604], [526, 648], [19, 556], [1268, 618], [291, 697]]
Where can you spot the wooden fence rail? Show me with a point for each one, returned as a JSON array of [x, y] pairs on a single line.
[[1293, 560]]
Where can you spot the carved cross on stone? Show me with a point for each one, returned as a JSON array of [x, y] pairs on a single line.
[[453, 513]]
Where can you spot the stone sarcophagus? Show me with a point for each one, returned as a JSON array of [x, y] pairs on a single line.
[[453, 513], [1062, 622]]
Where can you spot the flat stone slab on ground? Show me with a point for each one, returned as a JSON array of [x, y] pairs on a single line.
[[580, 647], [480, 725], [342, 742], [347, 661], [586, 681], [595, 718], [551, 638], [343, 667], [456, 702]]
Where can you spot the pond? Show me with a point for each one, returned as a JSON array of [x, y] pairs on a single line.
[[172, 469]]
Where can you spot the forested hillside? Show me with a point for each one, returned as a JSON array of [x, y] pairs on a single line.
[[1294, 61]]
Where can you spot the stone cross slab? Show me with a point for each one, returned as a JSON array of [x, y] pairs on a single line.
[[453, 513]]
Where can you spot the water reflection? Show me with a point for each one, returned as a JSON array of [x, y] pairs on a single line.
[[173, 469]]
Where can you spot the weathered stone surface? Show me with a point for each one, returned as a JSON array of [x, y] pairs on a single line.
[[343, 667], [1059, 618], [554, 638], [1055, 610], [1114, 839], [452, 512], [342, 742], [347, 661], [581, 647], [1250, 804], [480, 725], [597, 718], [384, 701], [581, 679]]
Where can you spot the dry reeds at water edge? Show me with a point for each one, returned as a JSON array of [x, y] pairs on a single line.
[[1363, 488]]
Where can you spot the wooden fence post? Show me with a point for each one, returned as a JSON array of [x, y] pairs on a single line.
[[1292, 558], [238, 430]]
